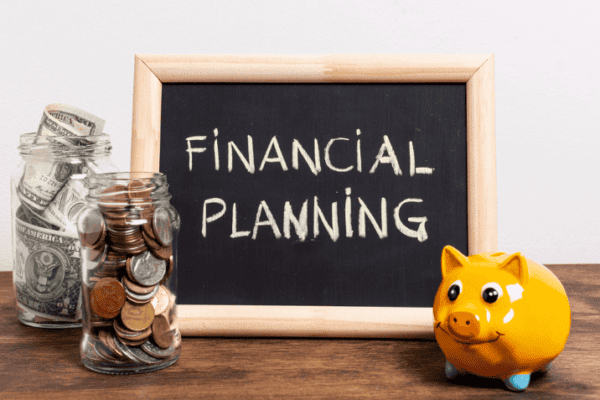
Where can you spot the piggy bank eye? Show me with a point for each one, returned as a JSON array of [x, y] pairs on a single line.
[[454, 290], [491, 292]]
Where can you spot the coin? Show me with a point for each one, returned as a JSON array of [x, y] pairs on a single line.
[[125, 333], [161, 225], [107, 339], [125, 350], [107, 298], [163, 253], [160, 302], [155, 351], [150, 242], [143, 356], [135, 288], [140, 299], [146, 269], [140, 190], [97, 254], [131, 343], [137, 317], [161, 332], [91, 227]]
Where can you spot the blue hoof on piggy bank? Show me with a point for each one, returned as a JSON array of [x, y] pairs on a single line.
[[499, 316]]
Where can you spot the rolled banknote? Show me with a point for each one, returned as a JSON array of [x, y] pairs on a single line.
[[26, 215], [65, 207], [41, 181], [64, 120], [47, 272]]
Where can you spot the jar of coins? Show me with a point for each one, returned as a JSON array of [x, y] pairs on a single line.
[[128, 233], [48, 193]]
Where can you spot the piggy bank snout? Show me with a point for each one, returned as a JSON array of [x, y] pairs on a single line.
[[463, 324]]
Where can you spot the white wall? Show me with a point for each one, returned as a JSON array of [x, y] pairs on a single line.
[[547, 83]]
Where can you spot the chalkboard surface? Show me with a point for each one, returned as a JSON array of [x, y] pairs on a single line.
[[330, 194]]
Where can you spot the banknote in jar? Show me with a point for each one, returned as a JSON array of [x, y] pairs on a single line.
[[65, 120], [47, 272], [26, 215], [41, 182], [64, 209]]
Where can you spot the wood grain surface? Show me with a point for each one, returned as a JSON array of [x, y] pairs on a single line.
[[45, 364]]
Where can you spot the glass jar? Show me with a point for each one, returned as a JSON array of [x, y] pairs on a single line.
[[129, 232], [47, 194]]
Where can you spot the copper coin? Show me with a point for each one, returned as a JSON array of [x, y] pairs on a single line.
[[141, 298], [107, 298], [109, 341], [125, 350], [161, 332], [131, 343], [125, 333], [137, 317], [160, 302], [91, 227], [114, 193], [170, 266], [131, 250], [97, 254], [134, 287], [161, 225], [150, 242], [164, 253], [147, 270], [140, 190]]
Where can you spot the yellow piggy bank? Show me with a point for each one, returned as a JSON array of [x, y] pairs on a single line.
[[499, 316]]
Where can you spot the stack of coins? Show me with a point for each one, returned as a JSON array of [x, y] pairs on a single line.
[[128, 259]]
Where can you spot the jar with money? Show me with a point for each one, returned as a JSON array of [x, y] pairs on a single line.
[[48, 193], [128, 233]]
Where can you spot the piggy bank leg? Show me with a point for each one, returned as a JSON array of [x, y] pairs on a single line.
[[451, 371], [517, 383]]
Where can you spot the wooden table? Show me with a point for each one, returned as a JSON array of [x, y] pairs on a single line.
[[44, 364]]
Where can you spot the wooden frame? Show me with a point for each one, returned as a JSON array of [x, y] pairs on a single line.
[[151, 71]]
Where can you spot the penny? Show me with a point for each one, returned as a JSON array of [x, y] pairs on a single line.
[[170, 265], [107, 298], [135, 288], [161, 225], [114, 193], [140, 299], [131, 343], [160, 302], [147, 270], [155, 351], [150, 242], [101, 323], [91, 227], [107, 339], [104, 352], [161, 332], [163, 253], [140, 190], [137, 317], [132, 250], [97, 254], [125, 333]]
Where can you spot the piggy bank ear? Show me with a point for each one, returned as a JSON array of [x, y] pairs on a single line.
[[516, 264], [452, 259]]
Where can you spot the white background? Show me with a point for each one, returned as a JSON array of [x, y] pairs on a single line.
[[546, 64]]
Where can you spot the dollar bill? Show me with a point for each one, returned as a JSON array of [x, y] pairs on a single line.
[[65, 120], [47, 272], [29, 216], [41, 181], [66, 206]]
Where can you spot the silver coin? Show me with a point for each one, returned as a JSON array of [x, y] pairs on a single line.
[[161, 225], [126, 351], [147, 270], [145, 357], [142, 297], [155, 351]]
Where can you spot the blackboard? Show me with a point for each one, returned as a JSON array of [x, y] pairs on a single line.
[[312, 195]]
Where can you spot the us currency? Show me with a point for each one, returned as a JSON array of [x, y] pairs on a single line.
[[47, 272], [65, 207], [65, 120], [27, 215], [41, 181]]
